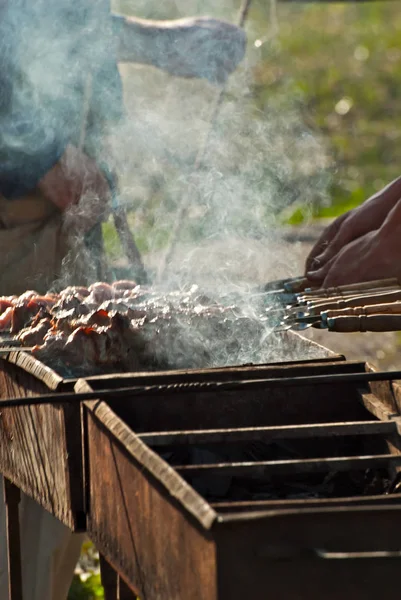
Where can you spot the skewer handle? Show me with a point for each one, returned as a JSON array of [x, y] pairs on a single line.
[[364, 323], [382, 298], [392, 308], [362, 285], [338, 295]]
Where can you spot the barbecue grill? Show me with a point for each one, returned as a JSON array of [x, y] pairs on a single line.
[[222, 483]]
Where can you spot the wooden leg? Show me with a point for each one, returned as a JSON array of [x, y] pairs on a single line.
[[124, 592], [114, 586], [109, 579], [12, 497]]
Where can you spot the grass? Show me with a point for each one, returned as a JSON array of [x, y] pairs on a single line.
[[343, 62]]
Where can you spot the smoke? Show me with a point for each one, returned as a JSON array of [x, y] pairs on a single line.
[[258, 160]]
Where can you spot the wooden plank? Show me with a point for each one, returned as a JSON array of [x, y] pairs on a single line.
[[40, 446], [267, 434], [374, 405], [396, 388], [384, 391], [142, 530], [31, 365], [151, 462]]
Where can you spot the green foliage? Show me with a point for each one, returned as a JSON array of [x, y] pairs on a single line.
[[331, 68], [341, 63], [86, 589], [87, 584]]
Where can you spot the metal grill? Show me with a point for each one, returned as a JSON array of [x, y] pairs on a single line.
[[217, 484], [262, 487]]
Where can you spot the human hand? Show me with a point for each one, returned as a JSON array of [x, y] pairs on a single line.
[[352, 225], [203, 47], [374, 255], [76, 185]]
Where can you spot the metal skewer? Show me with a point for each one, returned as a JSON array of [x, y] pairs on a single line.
[[204, 387], [186, 198]]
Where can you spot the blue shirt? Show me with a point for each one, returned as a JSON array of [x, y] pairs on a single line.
[[49, 51]]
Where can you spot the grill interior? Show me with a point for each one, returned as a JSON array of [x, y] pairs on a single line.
[[263, 447]]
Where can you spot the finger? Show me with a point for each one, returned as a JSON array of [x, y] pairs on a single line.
[[319, 275], [345, 235], [324, 240], [343, 269], [339, 275]]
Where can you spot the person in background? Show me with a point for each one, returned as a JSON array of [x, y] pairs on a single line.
[[362, 244], [60, 100], [60, 97]]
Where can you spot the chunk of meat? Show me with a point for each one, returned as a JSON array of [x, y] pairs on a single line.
[[53, 344], [42, 301], [4, 304], [97, 317], [71, 302], [75, 290], [22, 314], [27, 295], [34, 336], [101, 291], [124, 284], [6, 319]]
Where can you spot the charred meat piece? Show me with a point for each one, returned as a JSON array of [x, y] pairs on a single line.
[[4, 304], [146, 329], [124, 284], [34, 335], [75, 290], [71, 302], [43, 313], [100, 291], [97, 317], [120, 306], [53, 344], [69, 320], [22, 315], [6, 319], [27, 308], [28, 295]]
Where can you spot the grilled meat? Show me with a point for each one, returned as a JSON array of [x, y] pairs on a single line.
[[124, 327], [6, 319], [34, 335]]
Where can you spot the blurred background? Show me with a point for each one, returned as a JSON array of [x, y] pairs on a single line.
[[311, 120]]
